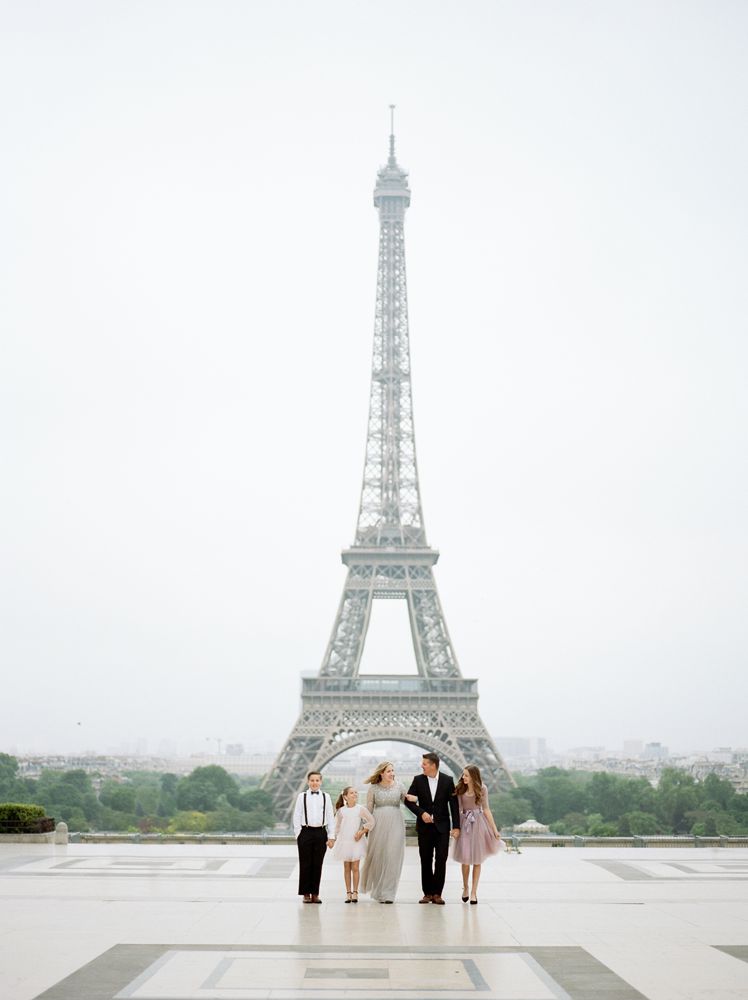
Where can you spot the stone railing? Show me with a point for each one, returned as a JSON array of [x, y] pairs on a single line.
[[512, 842]]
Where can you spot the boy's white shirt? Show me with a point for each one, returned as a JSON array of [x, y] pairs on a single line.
[[314, 812]]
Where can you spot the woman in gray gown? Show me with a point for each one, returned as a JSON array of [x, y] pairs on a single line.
[[384, 856]]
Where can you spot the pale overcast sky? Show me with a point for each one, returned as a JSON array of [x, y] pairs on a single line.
[[188, 258]]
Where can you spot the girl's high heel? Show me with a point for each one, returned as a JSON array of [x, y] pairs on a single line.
[[464, 894], [349, 897], [354, 897], [474, 902]]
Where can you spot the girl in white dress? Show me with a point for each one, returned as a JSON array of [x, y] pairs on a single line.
[[352, 822]]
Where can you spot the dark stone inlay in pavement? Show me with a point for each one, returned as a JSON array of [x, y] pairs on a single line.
[[632, 873], [276, 868], [145, 863], [106, 975], [571, 969], [735, 950], [108, 864], [582, 976], [627, 872], [343, 973]]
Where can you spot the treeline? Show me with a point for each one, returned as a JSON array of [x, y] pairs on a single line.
[[207, 800], [211, 800], [609, 805]]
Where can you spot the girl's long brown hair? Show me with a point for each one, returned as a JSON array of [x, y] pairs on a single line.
[[461, 788]]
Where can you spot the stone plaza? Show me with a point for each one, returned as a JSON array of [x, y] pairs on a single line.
[[192, 922]]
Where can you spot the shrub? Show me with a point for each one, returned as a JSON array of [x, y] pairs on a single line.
[[188, 822], [18, 817]]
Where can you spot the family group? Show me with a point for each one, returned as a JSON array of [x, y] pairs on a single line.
[[375, 833]]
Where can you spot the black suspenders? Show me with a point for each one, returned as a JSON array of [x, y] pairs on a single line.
[[324, 806]]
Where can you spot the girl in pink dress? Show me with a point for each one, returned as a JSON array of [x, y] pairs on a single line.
[[479, 836]]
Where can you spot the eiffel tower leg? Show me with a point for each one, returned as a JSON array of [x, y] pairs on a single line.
[[343, 653], [288, 775]]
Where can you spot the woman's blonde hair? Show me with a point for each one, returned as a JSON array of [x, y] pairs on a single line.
[[340, 801], [461, 787], [376, 777]]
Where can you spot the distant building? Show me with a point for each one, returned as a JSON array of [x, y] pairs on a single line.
[[250, 764], [524, 754], [586, 753], [513, 746], [531, 826]]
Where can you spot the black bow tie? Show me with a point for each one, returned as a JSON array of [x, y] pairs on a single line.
[[315, 793]]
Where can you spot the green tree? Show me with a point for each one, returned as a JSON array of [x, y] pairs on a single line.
[[572, 824], [598, 827], [115, 821], [717, 790], [190, 821], [256, 798], [118, 797], [676, 796], [638, 824], [202, 789], [228, 819], [68, 796], [169, 783], [8, 772], [613, 795], [555, 792], [713, 823], [510, 808]]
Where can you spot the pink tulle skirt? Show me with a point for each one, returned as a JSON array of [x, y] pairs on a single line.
[[476, 841]]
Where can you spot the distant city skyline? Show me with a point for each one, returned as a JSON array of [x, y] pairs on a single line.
[[173, 748]]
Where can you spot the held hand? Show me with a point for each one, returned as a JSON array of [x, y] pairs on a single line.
[[412, 798], [456, 833], [426, 818], [331, 844]]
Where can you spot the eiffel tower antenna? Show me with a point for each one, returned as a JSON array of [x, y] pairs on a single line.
[[435, 708]]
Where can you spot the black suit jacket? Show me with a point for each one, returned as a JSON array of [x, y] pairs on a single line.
[[442, 807]]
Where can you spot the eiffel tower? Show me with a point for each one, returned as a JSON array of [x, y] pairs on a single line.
[[437, 708]]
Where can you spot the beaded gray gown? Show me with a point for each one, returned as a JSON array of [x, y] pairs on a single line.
[[386, 851]]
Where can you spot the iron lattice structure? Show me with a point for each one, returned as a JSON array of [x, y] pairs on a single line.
[[437, 709]]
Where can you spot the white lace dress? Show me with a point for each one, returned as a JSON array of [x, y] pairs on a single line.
[[349, 819]]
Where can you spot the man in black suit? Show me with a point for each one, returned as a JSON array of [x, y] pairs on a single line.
[[436, 803]]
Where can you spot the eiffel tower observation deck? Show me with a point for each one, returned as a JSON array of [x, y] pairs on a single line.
[[435, 708]]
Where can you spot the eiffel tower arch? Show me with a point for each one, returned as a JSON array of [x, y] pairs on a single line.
[[390, 559]]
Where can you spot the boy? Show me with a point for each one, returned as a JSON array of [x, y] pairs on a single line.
[[313, 822]]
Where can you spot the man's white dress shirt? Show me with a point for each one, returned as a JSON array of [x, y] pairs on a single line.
[[433, 782]]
